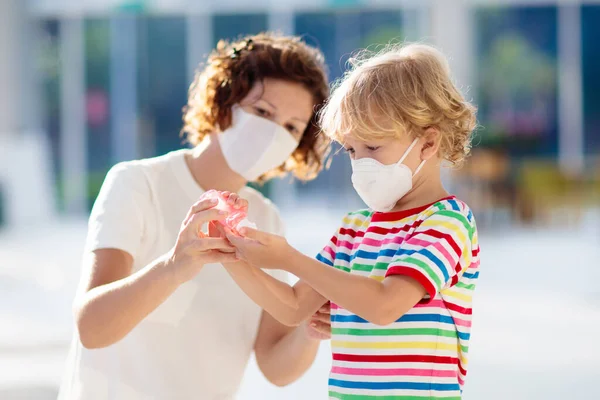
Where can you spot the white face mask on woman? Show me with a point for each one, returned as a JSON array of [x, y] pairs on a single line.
[[381, 186], [253, 145]]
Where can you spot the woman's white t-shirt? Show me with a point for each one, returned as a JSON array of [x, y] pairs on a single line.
[[197, 343]]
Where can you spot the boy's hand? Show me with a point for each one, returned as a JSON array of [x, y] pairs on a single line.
[[319, 325], [260, 249]]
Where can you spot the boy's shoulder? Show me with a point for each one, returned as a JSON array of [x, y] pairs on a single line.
[[451, 205], [449, 214]]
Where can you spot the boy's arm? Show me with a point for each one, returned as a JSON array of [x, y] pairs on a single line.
[[378, 302], [429, 261], [289, 305]]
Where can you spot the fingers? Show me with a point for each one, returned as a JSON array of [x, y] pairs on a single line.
[[234, 200], [321, 317], [323, 329], [215, 256], [201, 217], [325, 308], [236, 240], [199, 206], [210, 243], [215, 229], [256, 235]]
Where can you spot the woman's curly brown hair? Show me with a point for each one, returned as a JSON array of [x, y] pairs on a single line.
[[233, 69]]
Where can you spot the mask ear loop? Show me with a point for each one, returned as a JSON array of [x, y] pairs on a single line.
[[407, 152], [419, 167]]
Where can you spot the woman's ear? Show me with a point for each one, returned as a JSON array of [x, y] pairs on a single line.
[[432, 138]]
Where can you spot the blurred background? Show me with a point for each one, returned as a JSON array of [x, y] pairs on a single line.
[[86, 84]]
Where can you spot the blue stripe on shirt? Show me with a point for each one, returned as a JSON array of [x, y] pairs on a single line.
[[405, 318], [394, 385], [324, 260]]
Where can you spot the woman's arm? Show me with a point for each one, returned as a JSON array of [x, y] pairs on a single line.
[[289, 305], [284, 353], [112, 301]]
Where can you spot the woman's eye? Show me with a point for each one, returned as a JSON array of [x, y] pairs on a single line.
[[262, 112], [292, 129], [372, 148], [349, 150]]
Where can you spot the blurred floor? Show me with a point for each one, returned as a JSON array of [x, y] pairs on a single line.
[[535, 333]]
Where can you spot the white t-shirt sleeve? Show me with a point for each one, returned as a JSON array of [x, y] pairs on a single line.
[[117, 218]]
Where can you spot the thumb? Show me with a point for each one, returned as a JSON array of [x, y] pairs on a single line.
[[254, 234]]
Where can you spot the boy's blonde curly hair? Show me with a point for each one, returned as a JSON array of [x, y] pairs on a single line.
[[403, 89]]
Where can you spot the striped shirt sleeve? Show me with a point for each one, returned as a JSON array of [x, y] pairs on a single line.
[[327, 255], [436, 254]]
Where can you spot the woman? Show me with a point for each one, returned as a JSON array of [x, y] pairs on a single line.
[[154, 318]]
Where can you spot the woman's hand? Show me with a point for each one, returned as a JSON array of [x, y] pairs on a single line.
[[195, 248], [263, 250], [215, 229], [319, 325]]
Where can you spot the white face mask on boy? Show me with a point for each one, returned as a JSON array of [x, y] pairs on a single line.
[[381, 186], [253, 145]]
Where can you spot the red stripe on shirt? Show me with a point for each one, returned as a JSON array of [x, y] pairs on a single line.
[[408, 358]]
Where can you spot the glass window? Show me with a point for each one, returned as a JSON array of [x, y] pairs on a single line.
[[97, 97], [339, 33], [517, 85], [590, 16], [162, 83], [49, 66], [235, 25]]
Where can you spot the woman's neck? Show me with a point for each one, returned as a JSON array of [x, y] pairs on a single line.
[[209, 168]]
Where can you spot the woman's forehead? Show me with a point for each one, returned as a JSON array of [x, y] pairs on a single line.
[[289, 98]]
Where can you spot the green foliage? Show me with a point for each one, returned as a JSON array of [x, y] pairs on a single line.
[[378, 39], [514, 69]]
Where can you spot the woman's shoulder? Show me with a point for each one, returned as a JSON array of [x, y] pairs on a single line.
[[139, 174]]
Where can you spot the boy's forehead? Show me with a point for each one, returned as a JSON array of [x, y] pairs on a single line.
[[350, 140]]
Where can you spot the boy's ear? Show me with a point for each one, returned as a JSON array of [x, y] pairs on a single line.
[[432, 138]]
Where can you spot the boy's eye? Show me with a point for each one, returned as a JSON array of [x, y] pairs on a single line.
[[373, 148]]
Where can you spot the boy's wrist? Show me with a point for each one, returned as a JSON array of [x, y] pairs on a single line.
[[292, 260]]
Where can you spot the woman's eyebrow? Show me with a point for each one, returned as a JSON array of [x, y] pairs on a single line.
[[302, 120], [268, 102]]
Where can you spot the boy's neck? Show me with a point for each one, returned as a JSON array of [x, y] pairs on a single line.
[[425, 191]]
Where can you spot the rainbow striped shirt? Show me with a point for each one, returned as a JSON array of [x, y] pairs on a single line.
[[423, 355]]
